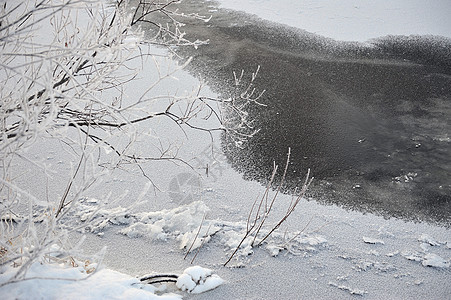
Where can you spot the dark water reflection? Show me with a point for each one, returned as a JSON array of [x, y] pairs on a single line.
[[372, 121]]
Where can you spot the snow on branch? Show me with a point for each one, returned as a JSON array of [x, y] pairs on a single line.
[[68, 72]]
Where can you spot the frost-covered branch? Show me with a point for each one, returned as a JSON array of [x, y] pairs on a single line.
[[262, 208], [68, 70]]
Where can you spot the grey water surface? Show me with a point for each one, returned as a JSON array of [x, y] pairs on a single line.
[[371, 120]]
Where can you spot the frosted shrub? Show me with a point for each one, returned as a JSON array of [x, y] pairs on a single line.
[[65, 76]]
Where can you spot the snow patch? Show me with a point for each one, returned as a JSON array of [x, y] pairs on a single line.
[[412, 255], [351, 291], [197, 280], [157, 225], [187, 224], [425, 238], [433, 260], [57, 281], [427, 260], [274, 250]]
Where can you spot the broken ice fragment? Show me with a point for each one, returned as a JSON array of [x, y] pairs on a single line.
[[428, 239], [433, 260]]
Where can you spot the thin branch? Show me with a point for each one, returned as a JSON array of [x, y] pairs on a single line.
[[195, 237], [201, 245], [149, 277]]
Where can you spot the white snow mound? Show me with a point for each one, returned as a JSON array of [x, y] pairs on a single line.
[[197, 280], [58, 281]]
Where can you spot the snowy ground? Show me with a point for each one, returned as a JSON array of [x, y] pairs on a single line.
[[322, 252], [50, 281]]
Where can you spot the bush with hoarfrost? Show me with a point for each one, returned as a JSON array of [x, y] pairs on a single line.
[[65, 76]]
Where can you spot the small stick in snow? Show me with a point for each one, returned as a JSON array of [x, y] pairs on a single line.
[[201, 245], [195, 238], [164, 278]]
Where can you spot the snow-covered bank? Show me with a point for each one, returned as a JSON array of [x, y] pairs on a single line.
[[353, 20], [60, 281], [323, 252]]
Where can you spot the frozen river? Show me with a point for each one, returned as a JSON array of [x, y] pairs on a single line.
[[370, 119]]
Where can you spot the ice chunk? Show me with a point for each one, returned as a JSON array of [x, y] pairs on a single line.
[[433, 260], [412, 255], [428, 240]]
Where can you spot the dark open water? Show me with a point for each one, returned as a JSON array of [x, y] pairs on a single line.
[[372, 121]]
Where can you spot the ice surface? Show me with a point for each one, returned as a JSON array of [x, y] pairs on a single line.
[[354, 20]]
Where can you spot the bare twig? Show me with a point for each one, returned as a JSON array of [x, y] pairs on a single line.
[[159, 278], [257, 218], [202, 244], [195, 237]]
